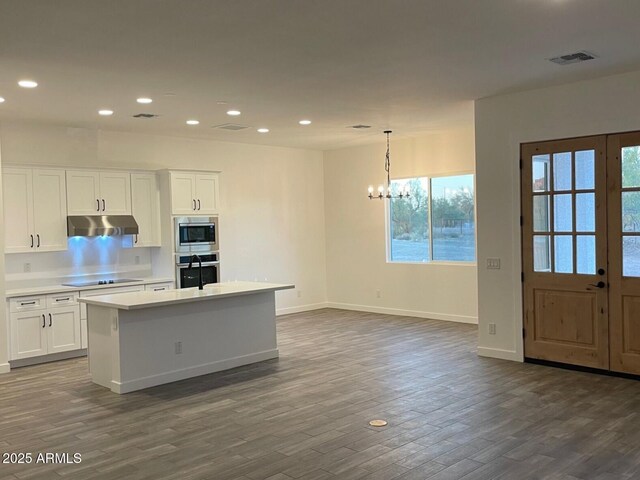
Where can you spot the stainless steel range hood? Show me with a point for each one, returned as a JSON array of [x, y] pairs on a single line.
[[97, 225]]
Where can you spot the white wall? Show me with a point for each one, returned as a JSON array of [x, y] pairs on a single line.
[[355, 230], [604, 105], [272, 212]]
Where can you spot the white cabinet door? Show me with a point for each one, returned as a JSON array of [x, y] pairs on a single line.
[[49, 210], [183, 194], [206, 193], [28, 334], [145, 208], [83, 193], [18, 210], [115, 193], [63, 329]]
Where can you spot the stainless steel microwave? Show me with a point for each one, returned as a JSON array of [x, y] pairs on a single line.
[[196, 234]]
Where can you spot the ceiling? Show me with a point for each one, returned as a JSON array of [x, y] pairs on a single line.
[[412, 65]]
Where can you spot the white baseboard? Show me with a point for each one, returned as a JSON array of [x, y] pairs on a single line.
[[195, 371], [301, 308], [5, 367], [500, 353], [406, 313]]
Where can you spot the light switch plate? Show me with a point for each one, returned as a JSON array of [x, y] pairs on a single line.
[[493, 263]]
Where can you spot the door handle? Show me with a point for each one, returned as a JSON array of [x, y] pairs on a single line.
[[38, 235], [43, 321], [194, 204], [600, 284], [198, 204], [31, 241], [98, 202], [104, 205], [49, 319]]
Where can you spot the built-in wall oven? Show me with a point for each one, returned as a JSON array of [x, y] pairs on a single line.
[[189, 277], [196, 234]]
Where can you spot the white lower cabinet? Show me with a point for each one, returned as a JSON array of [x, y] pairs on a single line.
[[41, 331]]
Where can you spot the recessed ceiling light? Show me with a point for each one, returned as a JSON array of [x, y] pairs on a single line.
[[305, 122], [263, 130], [233, 113], [1, 99], [105, 113], [28, 84], [192, 122], [144, 100]]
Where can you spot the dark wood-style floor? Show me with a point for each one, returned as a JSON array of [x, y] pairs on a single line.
[[451, 414]]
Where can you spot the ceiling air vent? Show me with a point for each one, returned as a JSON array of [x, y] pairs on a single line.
[[145, 115], [572, 58], [360, 126], [230, 126]]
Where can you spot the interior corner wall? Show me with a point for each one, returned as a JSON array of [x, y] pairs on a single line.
[[355, 230], [604, 105], [4, 337]]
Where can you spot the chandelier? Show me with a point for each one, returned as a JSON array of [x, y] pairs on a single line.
[[404, 192]]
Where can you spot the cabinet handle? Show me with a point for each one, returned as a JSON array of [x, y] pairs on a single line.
[[38, 235], [63, 299], [44, 324], [198, 204], [31, 241], [158, 289], [49, 319], [136, 238], [28, 303], [98, 209], [104, 205], [194, 204]]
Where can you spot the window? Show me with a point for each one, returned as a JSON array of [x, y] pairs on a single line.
[[436, 223]]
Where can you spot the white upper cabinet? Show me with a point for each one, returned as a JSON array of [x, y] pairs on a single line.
[[194, 193], [145, 201], [34, 210], [98, 193]]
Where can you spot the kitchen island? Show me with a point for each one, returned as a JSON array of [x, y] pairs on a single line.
[[143, 339]]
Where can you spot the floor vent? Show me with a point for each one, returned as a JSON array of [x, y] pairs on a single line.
[[572, 58], [230, 126]]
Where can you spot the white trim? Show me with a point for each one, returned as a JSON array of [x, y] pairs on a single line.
[[5, 368], [300, 308], [500, 353], [196, 371], [51, 357], [405, 313]]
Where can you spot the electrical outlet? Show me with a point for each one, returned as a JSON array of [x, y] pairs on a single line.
[[378, 294], [178, 348], [137, 260], [492, 329], [27, 267], [493, 263]]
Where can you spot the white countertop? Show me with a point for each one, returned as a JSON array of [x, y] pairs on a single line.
[[136, 300], [43, 290]]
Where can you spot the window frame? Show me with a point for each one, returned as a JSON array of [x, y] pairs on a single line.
[[387, 215]]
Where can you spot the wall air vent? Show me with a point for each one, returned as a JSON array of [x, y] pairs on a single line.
[[572, 58], [230, 126], [145, 115], [360, 126]]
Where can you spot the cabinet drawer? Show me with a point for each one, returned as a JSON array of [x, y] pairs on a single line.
[[159, 287], [62, 299], [22, 304]]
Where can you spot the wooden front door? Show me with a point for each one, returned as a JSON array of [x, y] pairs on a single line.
[[564, 241], [624, 251]]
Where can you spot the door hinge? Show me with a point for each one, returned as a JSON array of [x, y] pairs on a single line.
[[521, 220], [520, 164], [522, 276], [524, 332]]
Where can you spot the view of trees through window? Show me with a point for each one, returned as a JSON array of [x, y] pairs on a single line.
[[441, 231]]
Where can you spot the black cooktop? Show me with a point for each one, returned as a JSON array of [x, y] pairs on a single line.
[[100, 282]]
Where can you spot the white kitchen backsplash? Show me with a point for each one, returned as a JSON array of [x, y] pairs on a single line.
[[90, 257]]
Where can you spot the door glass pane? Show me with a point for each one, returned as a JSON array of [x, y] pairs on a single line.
[[541, 213], [585, 170], [631, 211], [563, 257], [541, 253], [562, 213], [586, 254], [631, 167], [586, 212], [631, 256], [541, 166], [562, 171]]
